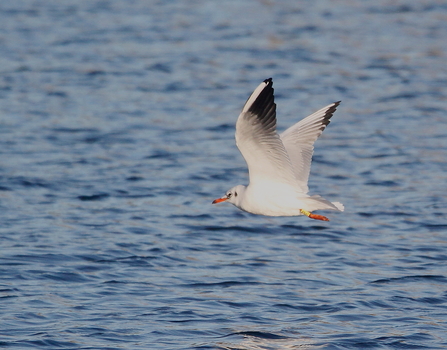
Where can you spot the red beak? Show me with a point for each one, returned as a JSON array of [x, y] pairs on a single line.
[[219, 200]]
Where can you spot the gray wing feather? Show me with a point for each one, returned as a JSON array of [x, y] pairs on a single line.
[[299, 140], [258, 141]]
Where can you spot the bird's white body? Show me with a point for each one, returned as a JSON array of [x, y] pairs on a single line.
[[278, 165], [278, 200]]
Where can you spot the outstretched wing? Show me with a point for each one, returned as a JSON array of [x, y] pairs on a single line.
[[299, 140], [258, 141]]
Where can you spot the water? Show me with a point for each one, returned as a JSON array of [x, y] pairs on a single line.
[[117, 123]]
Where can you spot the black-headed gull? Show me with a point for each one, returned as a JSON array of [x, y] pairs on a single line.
[[278, 164]]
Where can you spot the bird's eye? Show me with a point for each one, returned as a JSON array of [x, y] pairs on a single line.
[[229, 194]]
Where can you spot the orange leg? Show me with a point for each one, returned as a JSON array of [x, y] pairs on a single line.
[[314, 216]]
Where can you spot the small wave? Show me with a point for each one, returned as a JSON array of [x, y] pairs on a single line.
[[435, 227], [94, 197], [259, 334], [224, 284], [221, 127], [310, 308], [409, 279], [66, 277], [386, 183], [250, 229]]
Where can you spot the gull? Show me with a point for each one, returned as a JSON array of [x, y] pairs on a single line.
[[278, 164]]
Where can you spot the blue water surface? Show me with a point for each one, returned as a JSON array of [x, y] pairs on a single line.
[[117, 131]]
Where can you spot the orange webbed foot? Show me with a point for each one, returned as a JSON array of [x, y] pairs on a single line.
[[318, 217], [314, 216]]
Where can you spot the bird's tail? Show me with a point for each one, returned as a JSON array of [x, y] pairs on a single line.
[[339, 206], [319, 203]]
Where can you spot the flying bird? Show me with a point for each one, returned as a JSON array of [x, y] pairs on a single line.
[[278, 164]]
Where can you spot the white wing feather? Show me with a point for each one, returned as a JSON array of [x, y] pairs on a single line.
[[299, 140], [258, 141]]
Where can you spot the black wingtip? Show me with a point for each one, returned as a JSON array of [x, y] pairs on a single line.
[[263, 109], [329, 113], [265, 101]]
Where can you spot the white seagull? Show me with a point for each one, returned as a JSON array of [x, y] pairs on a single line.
[[278, 164]]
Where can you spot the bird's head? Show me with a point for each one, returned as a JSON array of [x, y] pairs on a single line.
[[232, 196]]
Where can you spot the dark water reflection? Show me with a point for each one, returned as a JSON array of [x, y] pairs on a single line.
[[117, 123]]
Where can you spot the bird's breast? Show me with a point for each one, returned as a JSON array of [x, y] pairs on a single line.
[[272, 201]]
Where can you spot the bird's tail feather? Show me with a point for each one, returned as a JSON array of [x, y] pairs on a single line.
[[339, 206], [319, 203]]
